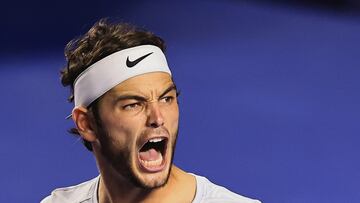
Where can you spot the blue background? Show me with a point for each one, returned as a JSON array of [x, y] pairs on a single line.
[[269, 103]]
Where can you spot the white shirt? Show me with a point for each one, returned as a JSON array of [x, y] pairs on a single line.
[[206, 192]]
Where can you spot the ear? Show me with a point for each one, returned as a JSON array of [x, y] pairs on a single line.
[[82, 121]]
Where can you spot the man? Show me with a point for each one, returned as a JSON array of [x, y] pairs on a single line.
[[127, 114]]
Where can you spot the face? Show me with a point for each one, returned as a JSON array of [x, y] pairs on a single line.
[[138, 128]]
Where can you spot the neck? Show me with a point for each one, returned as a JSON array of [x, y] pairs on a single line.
[[116, 189]]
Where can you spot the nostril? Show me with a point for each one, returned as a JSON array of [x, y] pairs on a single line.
[[154, 125]]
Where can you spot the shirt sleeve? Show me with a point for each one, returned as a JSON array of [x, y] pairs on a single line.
[[47, 199]]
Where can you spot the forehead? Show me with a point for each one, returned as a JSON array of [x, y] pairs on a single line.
[[148, 82]]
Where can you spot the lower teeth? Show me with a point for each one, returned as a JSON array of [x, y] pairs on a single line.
[[152, 163]]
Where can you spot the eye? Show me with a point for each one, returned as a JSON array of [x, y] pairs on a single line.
[[132, 106], [167, 99]]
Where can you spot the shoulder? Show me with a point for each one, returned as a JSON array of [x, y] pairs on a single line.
[[211, 193], [83, 192]]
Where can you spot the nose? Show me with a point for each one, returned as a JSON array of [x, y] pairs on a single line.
[[155, 118]]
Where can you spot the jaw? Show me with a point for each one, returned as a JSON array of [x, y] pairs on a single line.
[[124, 164]]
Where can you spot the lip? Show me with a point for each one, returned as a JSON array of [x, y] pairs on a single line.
[[164, 155]]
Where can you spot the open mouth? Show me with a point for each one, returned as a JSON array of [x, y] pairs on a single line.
[[152, 154]]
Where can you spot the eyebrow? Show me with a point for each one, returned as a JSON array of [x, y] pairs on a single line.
[[169, 89], [141, 98]]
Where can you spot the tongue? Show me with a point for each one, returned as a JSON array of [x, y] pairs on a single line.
[[150, 155]]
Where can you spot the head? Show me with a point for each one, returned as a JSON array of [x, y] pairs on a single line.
[[132, 127]]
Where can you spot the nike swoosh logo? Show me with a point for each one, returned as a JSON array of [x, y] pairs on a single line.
[[131, 64]]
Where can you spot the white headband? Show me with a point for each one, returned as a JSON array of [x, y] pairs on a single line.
[[110, 71]]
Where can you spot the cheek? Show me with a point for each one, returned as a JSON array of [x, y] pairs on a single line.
[[173, 118], [121, 133], [120, 128]]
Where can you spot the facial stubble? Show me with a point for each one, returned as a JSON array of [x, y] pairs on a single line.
[[120, 159]]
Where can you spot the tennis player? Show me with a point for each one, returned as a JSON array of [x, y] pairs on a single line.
[[126, 113]]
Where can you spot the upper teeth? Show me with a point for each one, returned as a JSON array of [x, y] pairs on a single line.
[[156, 140]]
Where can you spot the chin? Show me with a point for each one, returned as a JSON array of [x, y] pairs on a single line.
[[154, 183], [153, 180]]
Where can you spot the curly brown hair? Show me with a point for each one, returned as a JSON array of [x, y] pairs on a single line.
[[103, 39]]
